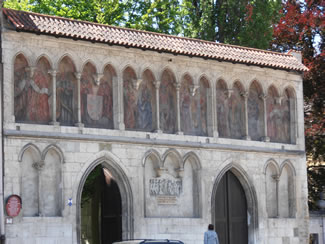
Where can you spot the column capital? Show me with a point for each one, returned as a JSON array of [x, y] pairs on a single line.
[[177, 86], [39, 165], [263, 96], [157, 84], [244, 94], [229, 92], [31, 70], [194, 89], [98, 77], [53, 72], [78, 75]]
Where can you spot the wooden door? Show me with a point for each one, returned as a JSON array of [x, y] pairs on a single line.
[[231, 211]]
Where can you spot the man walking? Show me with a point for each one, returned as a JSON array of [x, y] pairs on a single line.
[[210, 236]]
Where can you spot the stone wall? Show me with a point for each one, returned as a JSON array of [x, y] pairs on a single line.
[[59, 155]]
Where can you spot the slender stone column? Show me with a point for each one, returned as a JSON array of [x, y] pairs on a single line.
[[120, 104], [265, 137], [78, 76], [212, 103], [39, 166], [157, 85], [53, 73], [178, 110], [99, 76], [277, 179], [246, 136]]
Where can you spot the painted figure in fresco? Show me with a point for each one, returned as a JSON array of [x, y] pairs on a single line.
[[64, 102], [39, 96], [186, 111], [222, 112], [32, 95], [253, 117], [85, 91], [235, 115], [144, 118], [21, 90], [130, 105], [203, 110], [105, 91], [286, 121], [167, 107]]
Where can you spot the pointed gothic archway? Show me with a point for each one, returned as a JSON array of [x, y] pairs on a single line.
[[108, 209], [234, 207]]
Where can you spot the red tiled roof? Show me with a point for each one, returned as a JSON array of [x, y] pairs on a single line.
[[63, 27]]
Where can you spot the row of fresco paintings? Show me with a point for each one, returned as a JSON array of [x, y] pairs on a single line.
[[33, 102]]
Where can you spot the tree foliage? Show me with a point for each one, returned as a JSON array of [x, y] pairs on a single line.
[[267, 24], [302, 28]]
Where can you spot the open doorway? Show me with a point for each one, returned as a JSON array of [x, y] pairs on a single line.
[[101, 208]]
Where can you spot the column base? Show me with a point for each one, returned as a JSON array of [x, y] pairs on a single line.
[[266, 138], [215, 134], [179, 133], [158, 131], [55, 123], [80, 125], [247, 138]]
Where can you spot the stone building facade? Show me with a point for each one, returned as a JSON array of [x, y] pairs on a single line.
[[183, 132]]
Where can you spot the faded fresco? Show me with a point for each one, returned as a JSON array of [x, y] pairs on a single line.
[[236, 118], [222, 109], [139, 101], [286, 121], [96, 99], [167, 103], [105, 91], [129, 98], [255, 111], [274, 115], [66, 93], [203, 105], [32, 95], [146, 104], [193, 106]]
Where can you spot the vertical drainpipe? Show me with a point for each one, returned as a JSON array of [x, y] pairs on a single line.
[[2, 216]]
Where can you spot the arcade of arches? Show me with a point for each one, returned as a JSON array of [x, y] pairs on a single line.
[[64, 96]]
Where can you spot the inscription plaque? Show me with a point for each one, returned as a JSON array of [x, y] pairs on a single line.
[[166, 200], [165, 187]]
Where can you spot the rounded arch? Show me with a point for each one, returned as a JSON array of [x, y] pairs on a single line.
[[239, 85], [111, 162], [26, 147], [289, 165], [172, 152], [89, 61], [68, 56], [274, 164], [56, 149], [290, 90], [129, 68], [192, 155], [23, 54], [153, 153], [257, 84], [148, 69], [250, 193], [221, 84], [45, 56], [110, 66], [187, 76], [170, 72], [204, 78], [272, 90]]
